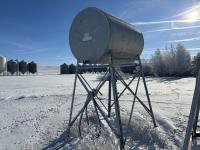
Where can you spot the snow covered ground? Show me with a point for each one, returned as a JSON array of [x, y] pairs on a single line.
[[34, 113]]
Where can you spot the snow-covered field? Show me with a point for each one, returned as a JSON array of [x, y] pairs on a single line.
[[34, 113]]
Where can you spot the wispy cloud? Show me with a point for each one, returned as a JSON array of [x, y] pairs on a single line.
[[185, 40], [127, 8], [169, 29], [33, 51], [182, 17], [59, 57], [194, 8], [164, 22], [22, 48]]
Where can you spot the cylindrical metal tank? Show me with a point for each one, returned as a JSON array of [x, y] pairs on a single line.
[[17, 61], [23, 67], [12, 66], [72, 69], [95, 35], [2, 64], [64, 69], [32, 67]]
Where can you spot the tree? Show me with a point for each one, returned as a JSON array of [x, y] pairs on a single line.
[[158, 64], [183, 61], [170, 61], [176, 61]]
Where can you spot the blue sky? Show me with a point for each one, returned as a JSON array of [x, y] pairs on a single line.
[[38, 29]]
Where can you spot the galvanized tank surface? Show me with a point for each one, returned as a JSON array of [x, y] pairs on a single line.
[[23, 68], [2, 64], [95, 35], [12, 66], [32, 67]]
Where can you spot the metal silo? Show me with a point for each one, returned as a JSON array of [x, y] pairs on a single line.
[[95, 35], [64, 69], [17, 61], [72, 69], [12, 66], [32, 67], [23, 68], [2, 64]]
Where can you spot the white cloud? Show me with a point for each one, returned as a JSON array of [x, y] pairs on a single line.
[[189, 10], [22, 48], [174, 28], [182, 17], [59, 57], [164, 22], [185, 40]]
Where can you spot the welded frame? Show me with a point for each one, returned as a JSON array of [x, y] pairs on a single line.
[[112, 76]]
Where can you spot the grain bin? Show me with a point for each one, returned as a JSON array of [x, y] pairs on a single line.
[[17, 61], [72, 69], [32, 67], [94, 35], [2, 64], [64, 69], [12, 66], [23, 68]]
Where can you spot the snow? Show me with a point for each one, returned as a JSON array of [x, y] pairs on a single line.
[[34, 113]]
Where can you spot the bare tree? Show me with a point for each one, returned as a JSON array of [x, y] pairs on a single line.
[[176, 61], [170, 61], [183, 60], [158, 63]]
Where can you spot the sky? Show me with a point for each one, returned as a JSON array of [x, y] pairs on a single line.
[[38, 29]]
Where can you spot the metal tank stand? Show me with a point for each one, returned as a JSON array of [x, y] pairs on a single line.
[[103, 111], [191, 130]]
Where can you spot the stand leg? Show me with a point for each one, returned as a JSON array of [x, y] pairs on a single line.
[[109, 97], [147, 93], [86, 114], [196, 118], [130, 117], [95, 107], [197, 111], [73, 96], [117, 108], [79, 125]]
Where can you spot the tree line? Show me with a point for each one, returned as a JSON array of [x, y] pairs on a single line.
[[174, 61]]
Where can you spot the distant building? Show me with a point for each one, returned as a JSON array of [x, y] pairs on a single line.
[[64, 69]]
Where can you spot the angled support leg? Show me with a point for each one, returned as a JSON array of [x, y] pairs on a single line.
[[131, 114], [128, 88], [109, 96], [117, 108], [73, 96], [147, 93]]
